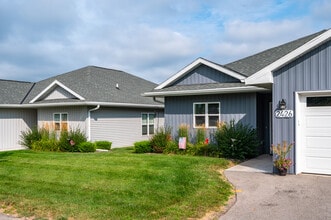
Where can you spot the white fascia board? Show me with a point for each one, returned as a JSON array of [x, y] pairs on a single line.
[[51, 86], [10, 105], [265, 74], [196, 63], [207, 91], [107, 104]]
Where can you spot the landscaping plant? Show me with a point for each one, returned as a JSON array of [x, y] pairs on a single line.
[[237, 141], [46, 139], [106, 145], [160, 139], [143, 147]]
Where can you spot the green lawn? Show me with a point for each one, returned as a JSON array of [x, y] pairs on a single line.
[[115, 185]]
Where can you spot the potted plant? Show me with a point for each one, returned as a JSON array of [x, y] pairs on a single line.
[[282, 163]]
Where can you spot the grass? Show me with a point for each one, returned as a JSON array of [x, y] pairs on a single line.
[[116, 185]]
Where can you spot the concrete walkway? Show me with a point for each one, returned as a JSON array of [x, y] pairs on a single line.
[[263, 195]]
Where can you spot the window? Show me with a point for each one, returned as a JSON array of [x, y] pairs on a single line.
[[147, 123], [319, 101], [206, 114], [60, 121]]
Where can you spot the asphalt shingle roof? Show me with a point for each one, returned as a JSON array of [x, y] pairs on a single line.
[[13, 92], [252, 64], [248, 65], [98, 84]]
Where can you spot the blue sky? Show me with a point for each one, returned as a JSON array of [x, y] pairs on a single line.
[[148, 38]]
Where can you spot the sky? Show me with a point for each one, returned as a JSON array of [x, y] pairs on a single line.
[[152, 39]]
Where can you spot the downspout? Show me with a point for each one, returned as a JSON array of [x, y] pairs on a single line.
[[89, 121]]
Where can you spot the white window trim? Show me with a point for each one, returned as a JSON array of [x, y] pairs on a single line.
[[147, 113], [206, 113], [61, 113]]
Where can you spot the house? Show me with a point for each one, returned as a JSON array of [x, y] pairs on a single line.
[[284, 92], [105, 104]]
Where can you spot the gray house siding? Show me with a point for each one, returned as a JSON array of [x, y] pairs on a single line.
[[238, 107], [76, 117], [59, 93], [121, 126], [204, 75], [12, 123], [310, 72]]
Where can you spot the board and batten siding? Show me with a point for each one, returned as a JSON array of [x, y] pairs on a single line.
[[204, 74], [310, 72], [77, 116], [12, 123], [238, 107], [121, 126]]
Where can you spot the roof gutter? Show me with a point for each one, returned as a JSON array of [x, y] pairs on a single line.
[[84, 103], [206, 91], [89, 121]]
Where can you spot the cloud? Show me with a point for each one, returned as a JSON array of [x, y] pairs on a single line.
[[151, 39]]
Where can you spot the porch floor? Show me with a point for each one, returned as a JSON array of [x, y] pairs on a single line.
[[260, 164]]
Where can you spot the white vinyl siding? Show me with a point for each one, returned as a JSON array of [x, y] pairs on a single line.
[[76, 117], [206, 114], [12, 123], [59, 93], [120, 126]]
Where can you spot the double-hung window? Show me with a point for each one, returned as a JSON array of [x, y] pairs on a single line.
[[60, 121], [206, 114], [147, 120]]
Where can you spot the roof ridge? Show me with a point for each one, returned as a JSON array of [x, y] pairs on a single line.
[[19, 81]]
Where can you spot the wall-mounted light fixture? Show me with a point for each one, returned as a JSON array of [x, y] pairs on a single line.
[[282, 104]]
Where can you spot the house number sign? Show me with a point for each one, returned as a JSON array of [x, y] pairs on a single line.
[[284, 113]]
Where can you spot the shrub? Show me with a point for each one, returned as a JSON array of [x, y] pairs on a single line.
[[30, 136], [69, 140], [172, 148], [64, 142], [142, 147], [183, 131], [199, 149], [160, 139], [103, 145], [77, 136], [201, 135], [237, 141], [85, 147], [45, 145], [44, 139]]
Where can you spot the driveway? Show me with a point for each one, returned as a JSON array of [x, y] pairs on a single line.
[[263, 195]]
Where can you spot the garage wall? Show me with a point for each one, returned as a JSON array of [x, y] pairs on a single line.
[[12, 123], [311, 72]]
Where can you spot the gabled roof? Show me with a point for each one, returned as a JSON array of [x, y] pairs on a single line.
[[195, 64], [51, 88], [264, 75], [252, 64], [90, 85], [13, 92], [253, 70], [93, 85]]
